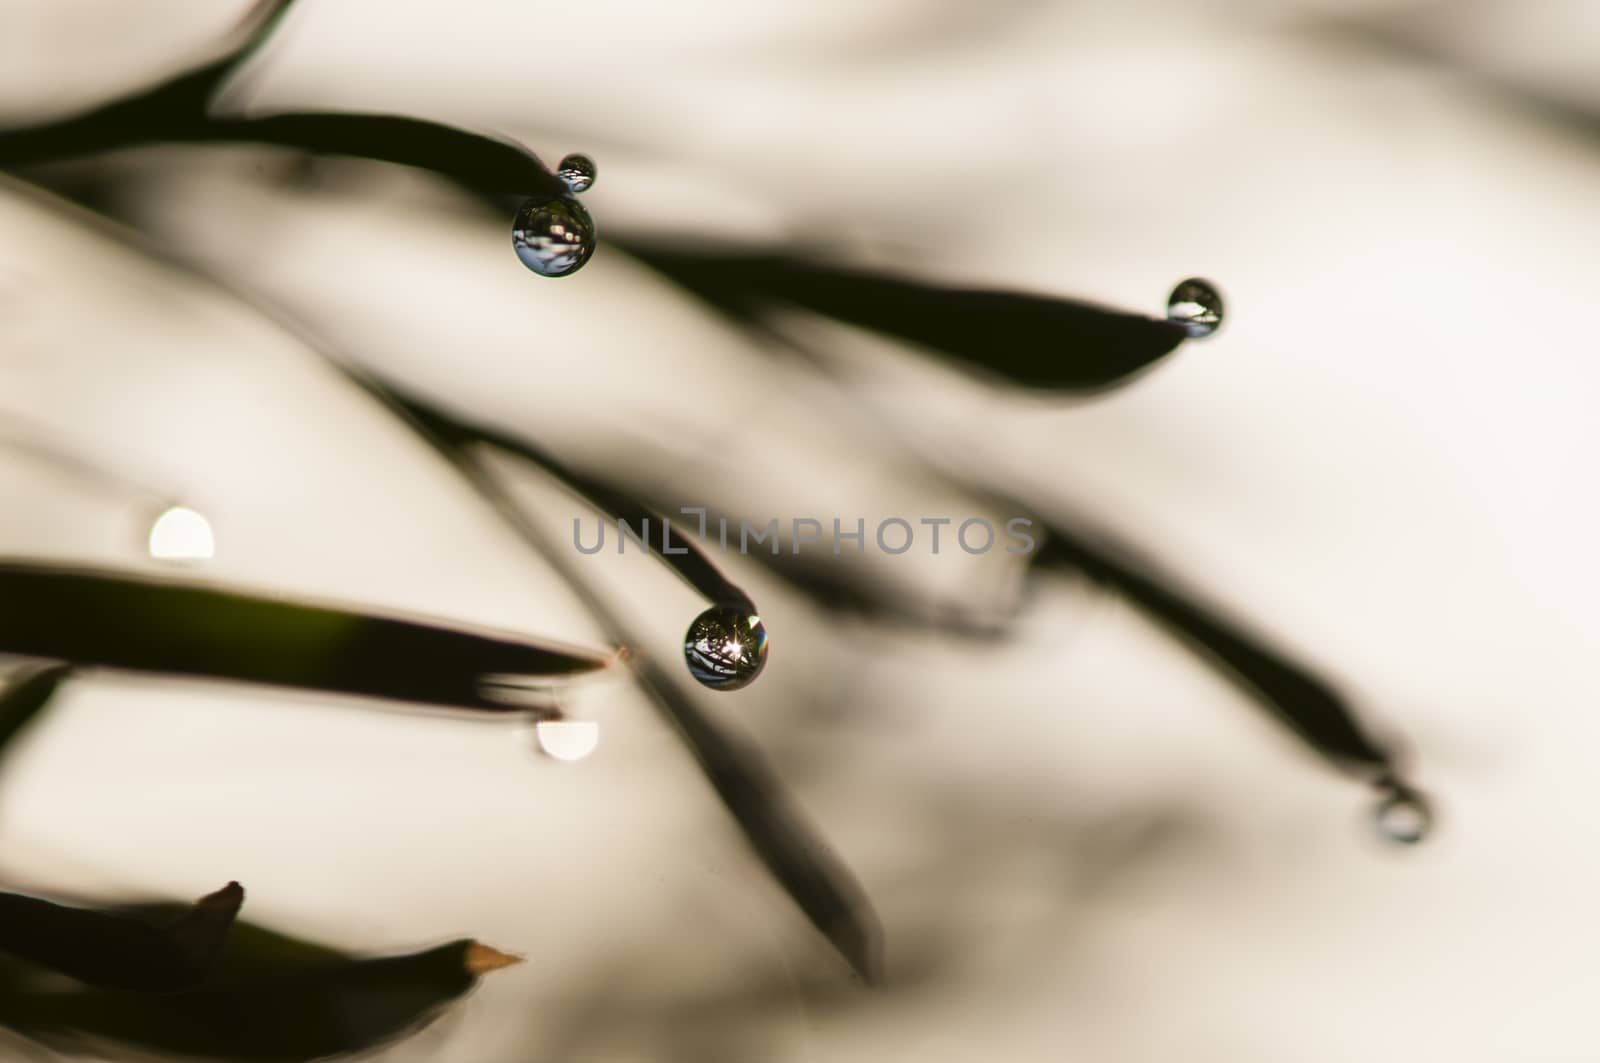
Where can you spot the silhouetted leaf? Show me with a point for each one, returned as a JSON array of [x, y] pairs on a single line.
[[26, 694], [1033, 340], [119, 951], [270, 997], [1305, 703], [119, 621]]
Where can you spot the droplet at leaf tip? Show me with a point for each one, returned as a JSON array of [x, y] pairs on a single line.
[[553, 235], [725, 647], [577, 172], [1403, 815], [1196, 304]]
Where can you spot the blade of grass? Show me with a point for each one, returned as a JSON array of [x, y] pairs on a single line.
[[1034, 341], [1308, 705], [140, 624]]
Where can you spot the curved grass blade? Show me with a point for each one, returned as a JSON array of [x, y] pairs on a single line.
[[821, 886], [178, 111], [1305, 703], [26, 695], [114, 950], [692, 565], [1030, 340], [117, 621]]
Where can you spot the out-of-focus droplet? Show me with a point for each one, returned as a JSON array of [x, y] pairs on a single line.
[[1402, 815], [553, 236], [568, 739], [1197, 306], [181, 534], [726, 647], [577, 171]]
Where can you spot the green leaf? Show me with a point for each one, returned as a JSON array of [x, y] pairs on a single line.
[[117, 621], [1035, 341]]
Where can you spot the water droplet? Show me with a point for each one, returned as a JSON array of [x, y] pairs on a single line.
[[577, 171], [1403, 816], [568, 739], [1197, 306], [181, 534], [554, 236], [726, 647]]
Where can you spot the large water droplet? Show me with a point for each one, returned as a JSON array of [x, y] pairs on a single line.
[[1197, 306], [726, 647], [1402, 815], [577, 171], [182, 534], [553, 236]]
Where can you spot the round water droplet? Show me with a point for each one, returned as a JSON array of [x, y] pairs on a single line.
[[577, 171], [1403, 816], [553, 237], [1197, 306], [181, 534], [726, 648]]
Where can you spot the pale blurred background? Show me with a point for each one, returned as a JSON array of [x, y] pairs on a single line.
[[1081, 843]]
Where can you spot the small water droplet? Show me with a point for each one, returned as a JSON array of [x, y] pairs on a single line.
[[553, 236], [568, 739], [726, 647], [577, 171], [1197, 306], [1402, 815], [182, 534]]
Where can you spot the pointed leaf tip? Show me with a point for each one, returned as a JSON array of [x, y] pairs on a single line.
[[481, 959]]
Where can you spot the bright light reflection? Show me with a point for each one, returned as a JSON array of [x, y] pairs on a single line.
[[181, 534], [568, 739]]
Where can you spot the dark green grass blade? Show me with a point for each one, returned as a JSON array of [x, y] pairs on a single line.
[[1034, 341], [118, 621], [1302, 701]]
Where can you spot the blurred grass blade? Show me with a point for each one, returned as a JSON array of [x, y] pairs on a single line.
[[113, 950], [271, 997], [26, 695], [117, 621], [1303, 702], [692, 565], [793, 851], [1031, 340]]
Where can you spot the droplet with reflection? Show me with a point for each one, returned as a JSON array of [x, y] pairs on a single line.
[[182, 534], [726, 648], [553, 236], [1197, 306], [567, 740], [1402, 815], [578, 171]]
